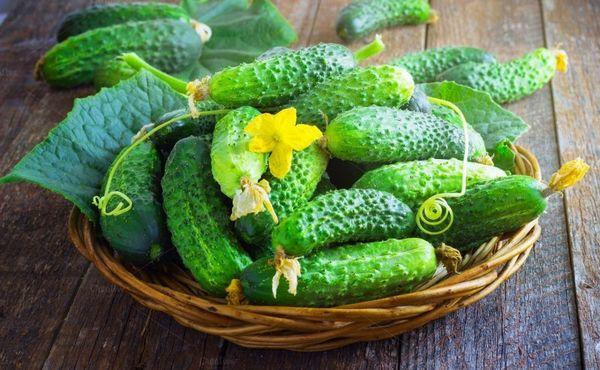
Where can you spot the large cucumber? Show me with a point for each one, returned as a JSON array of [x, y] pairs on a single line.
[[386, 135], [198, 218], [347, 274]]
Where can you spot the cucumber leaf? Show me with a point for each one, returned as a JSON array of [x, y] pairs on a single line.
[[494, 123], [240, 32], [75, 156]]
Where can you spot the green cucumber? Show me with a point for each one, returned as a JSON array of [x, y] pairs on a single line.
[[347, 274], [414, 182], [231, 160], [103, 15], [511, 81], [139, 235], [112, 72], [376, 85], [386, 135], [169, 45], [199, 219], [343, 216], [287, 194], [324, 186], [362, 17], [274, 51], [426, 65]]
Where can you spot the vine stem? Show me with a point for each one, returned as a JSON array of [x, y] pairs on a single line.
[[370, 50], [137, 63]]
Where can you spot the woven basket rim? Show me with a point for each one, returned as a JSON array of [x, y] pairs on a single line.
[[170, 289]]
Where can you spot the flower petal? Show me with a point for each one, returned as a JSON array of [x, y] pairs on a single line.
[[280, 160], [301, 136], [263, 124], [285, 118], [261, 144]]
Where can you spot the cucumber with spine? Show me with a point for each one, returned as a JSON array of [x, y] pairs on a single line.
[[198, 218], [103, 15], [287, 194], [347, 274], [362, 17], [414, 182], [343, 216], [386, 135], [425, 66], [139, 235], [374, 85], [167, 44], [511, 81]]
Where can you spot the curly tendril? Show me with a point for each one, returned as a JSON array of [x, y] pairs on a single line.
[[435, 212], [102, 203]]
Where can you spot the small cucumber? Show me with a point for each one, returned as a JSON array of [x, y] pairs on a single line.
[[198, 218], [342, 216], [426, 65], [376, 85], [347, 274], [387, 135], [231, 160], [139, 235], [112, 72], [416, 181], [362, 17], [511, 81], [287, 194], [103, 15]]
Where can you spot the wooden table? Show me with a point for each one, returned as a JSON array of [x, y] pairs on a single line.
[[56, 311]]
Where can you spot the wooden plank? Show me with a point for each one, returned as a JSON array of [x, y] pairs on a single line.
[[574, 25]]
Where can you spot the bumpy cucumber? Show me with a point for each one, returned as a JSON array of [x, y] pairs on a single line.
[[276, 79], [362, 17], [511, 81], [274, 51], [342, 216], [491, 208], [198, 218], [346, 274], [112, 72], [169, 45], [287, 194], [416, 181], [231, 160], [375, 85], [139, 235], [103, 15], [387, 135], [426, 65]]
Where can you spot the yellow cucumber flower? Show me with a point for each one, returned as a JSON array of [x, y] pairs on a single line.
[[279, 135]]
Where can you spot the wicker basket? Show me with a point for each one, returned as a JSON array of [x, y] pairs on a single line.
[[170, 289]]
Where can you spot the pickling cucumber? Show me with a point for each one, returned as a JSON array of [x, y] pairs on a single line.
[[511, 81], [139, 235], [386, 135], [416, 181], [342, 216], [103, 15], [425, 66], [198, 218], [169, 45], [362, 17], [347, 274]]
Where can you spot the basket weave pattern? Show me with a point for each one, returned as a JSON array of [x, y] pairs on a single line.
[[172, 290]]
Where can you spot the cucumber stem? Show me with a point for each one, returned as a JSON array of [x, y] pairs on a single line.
[[137, 63], [375, 47]]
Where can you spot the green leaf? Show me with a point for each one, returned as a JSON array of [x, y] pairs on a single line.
[[240, 32], [75, 156], [503, 156], [493, 122]]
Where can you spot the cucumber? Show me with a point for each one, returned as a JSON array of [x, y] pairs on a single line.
[[362, 17], [167, 44], [287, 194], [414, 182], [347, 274], [342, 216], [112, 72], [387, 135], [140, 235], [274, 51], [511, 81], [425, 66], [375, 85], [324, 186], [231, 160], [418, 101], [198, 218], [103, 15]]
